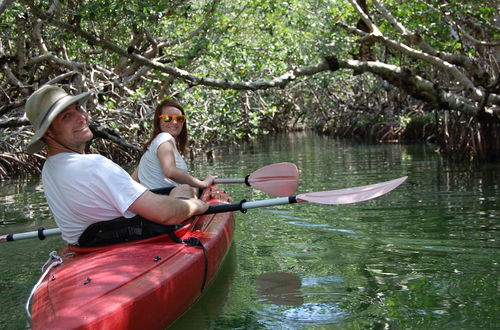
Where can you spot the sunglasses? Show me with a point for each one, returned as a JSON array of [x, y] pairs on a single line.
[[169, 118]]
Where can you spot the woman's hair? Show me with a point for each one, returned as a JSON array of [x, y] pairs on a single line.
[[182, 139]]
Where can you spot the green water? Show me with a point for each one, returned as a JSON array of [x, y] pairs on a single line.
[[423, 256]]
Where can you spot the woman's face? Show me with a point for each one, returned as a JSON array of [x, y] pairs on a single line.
[[173, 127]]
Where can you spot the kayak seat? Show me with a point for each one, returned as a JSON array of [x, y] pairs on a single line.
[[122, 230]]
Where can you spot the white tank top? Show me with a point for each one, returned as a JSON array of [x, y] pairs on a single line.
[[150, 172]]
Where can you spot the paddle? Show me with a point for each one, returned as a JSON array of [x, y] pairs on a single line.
[[332, 197], [280, 179]]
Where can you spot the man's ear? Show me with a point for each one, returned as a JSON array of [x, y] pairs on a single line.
[[48, 134]]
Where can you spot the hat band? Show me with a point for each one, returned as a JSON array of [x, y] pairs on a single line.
[[52, 107]]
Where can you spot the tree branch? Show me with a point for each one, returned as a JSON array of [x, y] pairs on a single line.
[[373, 28], [476, 93], [458, 59], [414, 85], [280, 81], [4, 4], [108, 134]]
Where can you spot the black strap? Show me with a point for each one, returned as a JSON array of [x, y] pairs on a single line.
[[175, 238], [162, 191], [195, 242]]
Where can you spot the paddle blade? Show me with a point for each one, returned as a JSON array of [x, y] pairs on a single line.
[[351, 195], [280, 179]]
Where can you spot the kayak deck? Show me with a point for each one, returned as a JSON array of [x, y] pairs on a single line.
[[145, 284]]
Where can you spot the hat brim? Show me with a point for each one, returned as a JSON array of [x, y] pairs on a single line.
[[36, 144]]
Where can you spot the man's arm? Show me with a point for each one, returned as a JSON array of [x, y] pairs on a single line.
[[171, 209]]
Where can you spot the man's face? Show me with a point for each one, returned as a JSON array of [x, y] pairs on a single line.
[[70, 127]]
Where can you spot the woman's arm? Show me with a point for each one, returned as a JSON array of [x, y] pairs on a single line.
[[135, 175], [165, 153]]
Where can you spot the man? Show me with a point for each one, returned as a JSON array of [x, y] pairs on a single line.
[[82, 189]]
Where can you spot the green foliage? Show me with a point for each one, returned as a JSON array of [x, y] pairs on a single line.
[[248, 41]]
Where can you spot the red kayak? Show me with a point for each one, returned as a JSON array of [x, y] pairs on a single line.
[[145, 284]]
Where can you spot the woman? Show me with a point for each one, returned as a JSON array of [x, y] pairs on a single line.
[[162, 164]]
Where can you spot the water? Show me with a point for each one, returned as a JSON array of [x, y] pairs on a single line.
[[423, 256]]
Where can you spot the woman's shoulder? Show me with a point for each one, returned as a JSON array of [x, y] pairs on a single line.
[[161, 139], [164, 136]]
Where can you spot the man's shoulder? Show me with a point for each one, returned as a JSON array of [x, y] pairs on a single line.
[[99, 160], [79, 160]]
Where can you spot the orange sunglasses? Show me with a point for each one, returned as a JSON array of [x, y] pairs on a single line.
[[169, 118]]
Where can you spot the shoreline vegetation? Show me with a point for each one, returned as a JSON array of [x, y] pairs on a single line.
[[17, 163], [378, 71]]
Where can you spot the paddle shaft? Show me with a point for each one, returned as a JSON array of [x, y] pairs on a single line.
[[41, 233], [232, 180], [243, 206]]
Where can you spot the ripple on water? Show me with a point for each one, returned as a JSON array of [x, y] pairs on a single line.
[[318, 313], [317, 281], [305, 315]]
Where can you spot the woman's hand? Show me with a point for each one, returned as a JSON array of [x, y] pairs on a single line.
[[208, 181]]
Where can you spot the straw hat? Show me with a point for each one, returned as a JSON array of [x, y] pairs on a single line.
[[42, 108]]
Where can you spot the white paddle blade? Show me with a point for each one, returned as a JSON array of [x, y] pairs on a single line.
[[280, 179], [351, 195]]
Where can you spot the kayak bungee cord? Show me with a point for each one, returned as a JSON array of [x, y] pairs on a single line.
[[57, 262], [193, 242]]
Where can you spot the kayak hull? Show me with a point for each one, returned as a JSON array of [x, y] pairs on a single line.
[[145, 284]]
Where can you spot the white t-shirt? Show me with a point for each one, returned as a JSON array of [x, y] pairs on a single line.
[[150, 173], [84, 189]]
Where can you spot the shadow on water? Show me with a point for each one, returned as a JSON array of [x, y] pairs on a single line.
[[279, 289]]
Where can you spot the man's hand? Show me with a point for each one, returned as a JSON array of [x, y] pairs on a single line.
[[187, 193], [182, 191]]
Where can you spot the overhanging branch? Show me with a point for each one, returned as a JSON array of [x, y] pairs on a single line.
[[412, 84], [280, 81]]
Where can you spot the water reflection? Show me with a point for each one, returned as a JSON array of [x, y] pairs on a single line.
[[22, 204], [202, 314], [423, 256]]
